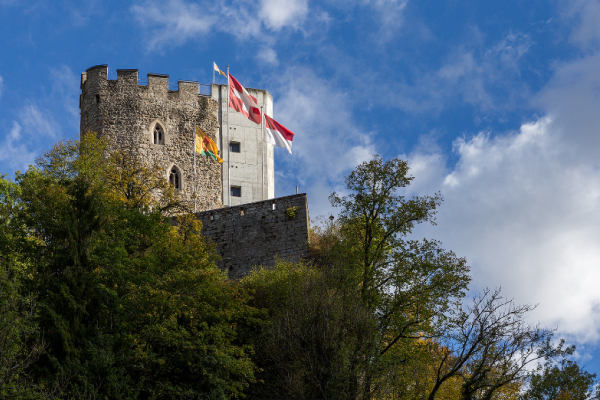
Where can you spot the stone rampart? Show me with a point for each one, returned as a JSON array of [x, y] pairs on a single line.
[[256, 233]]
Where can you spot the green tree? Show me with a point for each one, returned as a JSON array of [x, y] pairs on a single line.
[[131, 302], [409, 286], [20, 340], [349, 324], [308, 341], [562, 381]]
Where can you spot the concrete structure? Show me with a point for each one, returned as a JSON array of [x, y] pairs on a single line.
[[256, 233], [157, 124], [246, 166]]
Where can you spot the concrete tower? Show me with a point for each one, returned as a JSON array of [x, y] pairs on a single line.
[[251, 159]]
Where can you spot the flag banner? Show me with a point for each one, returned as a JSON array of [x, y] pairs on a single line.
[[218, 70], [241, 101], [205, 145], [278, 134]]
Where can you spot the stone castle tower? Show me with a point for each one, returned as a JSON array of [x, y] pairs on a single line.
[[157, 124]]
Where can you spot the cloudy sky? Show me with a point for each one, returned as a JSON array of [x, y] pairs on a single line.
[[495, 104]]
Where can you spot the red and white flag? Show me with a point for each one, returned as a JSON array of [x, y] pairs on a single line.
[[278, 134], [241, 101]]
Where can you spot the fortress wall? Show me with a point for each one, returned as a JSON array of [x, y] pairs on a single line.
[[255, 233], [125, 112]]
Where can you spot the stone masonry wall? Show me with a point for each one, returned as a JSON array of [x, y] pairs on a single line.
[[126, 112], [255, 233]]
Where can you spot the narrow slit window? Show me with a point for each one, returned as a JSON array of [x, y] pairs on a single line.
[[236, 191], [234, 147], [159, 134], [175, 178]]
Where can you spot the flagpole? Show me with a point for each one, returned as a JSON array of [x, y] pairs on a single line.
[[262, 149], [228, 147], [195, 138]]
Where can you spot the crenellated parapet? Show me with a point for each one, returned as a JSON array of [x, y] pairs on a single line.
[[156, 124], [158, 83], [96, 78]]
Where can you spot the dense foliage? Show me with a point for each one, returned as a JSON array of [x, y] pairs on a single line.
[[109, 291], [126, 304]]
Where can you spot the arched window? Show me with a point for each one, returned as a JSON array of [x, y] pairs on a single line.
[[159, 134], [175, 178]]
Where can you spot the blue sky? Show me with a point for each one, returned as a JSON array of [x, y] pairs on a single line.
[[495, 104]]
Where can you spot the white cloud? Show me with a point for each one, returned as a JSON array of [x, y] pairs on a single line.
[[1, 85], [477, 74], [174, 22], [268, 56], [463, 74], [279, 13], [13, 152], [510, 50], [586, 13], [34, 129], [327, 145], [387, 14], [486, 77], [524, 207], [526, 214], [35, 125], [38, 123], [573, 97], [390, 14]]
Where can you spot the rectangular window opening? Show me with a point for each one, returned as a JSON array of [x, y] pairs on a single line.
[[274, 206], [236, 191], [97, 98], [234, 147]]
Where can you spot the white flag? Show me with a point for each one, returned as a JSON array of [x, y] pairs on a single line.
[[217, 69], [278, 134]]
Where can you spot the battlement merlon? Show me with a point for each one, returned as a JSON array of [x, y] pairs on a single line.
[[95, 79], [94, 75], [158, 83], [127, 77]]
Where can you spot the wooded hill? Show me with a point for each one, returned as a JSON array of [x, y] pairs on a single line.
[[101, 297]]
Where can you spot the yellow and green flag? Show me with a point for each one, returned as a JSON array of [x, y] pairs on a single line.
[[205, 145]]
